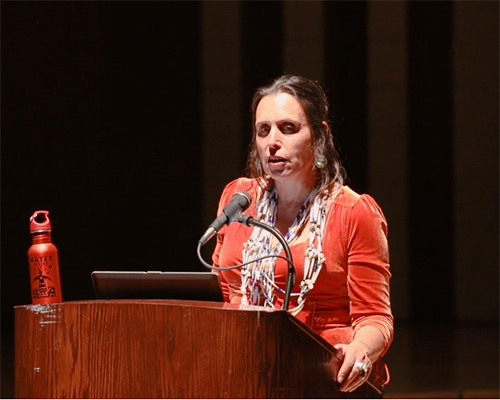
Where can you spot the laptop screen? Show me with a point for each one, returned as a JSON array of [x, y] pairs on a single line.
[[116, 285]]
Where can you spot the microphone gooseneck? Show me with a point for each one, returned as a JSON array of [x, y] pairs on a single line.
[[248, 220]]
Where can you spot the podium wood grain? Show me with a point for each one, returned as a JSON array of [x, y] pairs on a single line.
[[170, 349]]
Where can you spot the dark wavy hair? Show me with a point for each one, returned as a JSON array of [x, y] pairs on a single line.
[[314, 102]]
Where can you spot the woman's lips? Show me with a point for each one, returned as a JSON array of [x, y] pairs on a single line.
[[275, 160]]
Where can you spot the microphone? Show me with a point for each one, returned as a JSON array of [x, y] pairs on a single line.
[[231, 211]]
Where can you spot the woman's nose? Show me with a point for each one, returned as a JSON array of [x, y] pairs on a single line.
[[274, 136]]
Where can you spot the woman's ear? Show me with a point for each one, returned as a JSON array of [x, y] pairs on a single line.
[[325, 126]]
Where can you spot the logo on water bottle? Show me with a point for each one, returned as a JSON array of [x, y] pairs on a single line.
[[43, 290]]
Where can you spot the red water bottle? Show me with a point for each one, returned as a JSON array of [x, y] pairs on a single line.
[[43, 260]]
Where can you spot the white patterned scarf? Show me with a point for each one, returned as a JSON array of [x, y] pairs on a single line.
[[257, 278]]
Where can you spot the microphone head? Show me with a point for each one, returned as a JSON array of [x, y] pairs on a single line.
[[243, 199], [232, 210]]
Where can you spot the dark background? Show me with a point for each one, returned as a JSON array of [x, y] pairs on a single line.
[[102, 125]]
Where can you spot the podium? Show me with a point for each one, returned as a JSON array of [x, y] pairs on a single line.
[[171, 349]]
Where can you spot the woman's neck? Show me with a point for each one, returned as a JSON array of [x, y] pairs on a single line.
[[292, 194], [290, 200]]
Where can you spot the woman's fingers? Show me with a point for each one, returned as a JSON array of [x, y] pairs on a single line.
[[354, 370]]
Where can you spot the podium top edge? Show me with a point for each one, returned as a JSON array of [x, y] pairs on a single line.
[[181, 303]]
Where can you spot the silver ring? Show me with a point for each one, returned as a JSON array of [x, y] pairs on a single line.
[[362, 368]]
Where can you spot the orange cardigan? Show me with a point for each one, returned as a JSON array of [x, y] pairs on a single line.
[[352, 289]]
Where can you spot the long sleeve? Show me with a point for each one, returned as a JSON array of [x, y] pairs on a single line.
[[368, 268]]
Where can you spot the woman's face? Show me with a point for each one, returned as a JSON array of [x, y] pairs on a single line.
[[283, 138]]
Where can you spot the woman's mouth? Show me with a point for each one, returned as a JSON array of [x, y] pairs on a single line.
[[273, 160]]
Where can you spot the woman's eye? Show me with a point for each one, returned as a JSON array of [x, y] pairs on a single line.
[[288, 128], [263, 131]]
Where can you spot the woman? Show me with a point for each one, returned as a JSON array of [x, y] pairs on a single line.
[[337, 238]]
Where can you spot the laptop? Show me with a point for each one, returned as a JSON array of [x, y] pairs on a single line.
[[117, 285]]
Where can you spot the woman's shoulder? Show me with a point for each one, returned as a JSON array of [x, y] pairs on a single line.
[[240, 184], [359, 210], [349, 198], [236, 185], [346, 197]]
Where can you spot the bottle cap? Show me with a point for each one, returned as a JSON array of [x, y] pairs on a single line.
[[40, 222]]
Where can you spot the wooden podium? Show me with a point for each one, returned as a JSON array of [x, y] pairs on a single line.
[[171, 349]]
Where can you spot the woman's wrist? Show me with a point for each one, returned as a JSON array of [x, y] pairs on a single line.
[[362, 346], [370, 341]]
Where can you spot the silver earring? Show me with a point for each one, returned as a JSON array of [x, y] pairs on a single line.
[[320, 162]]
